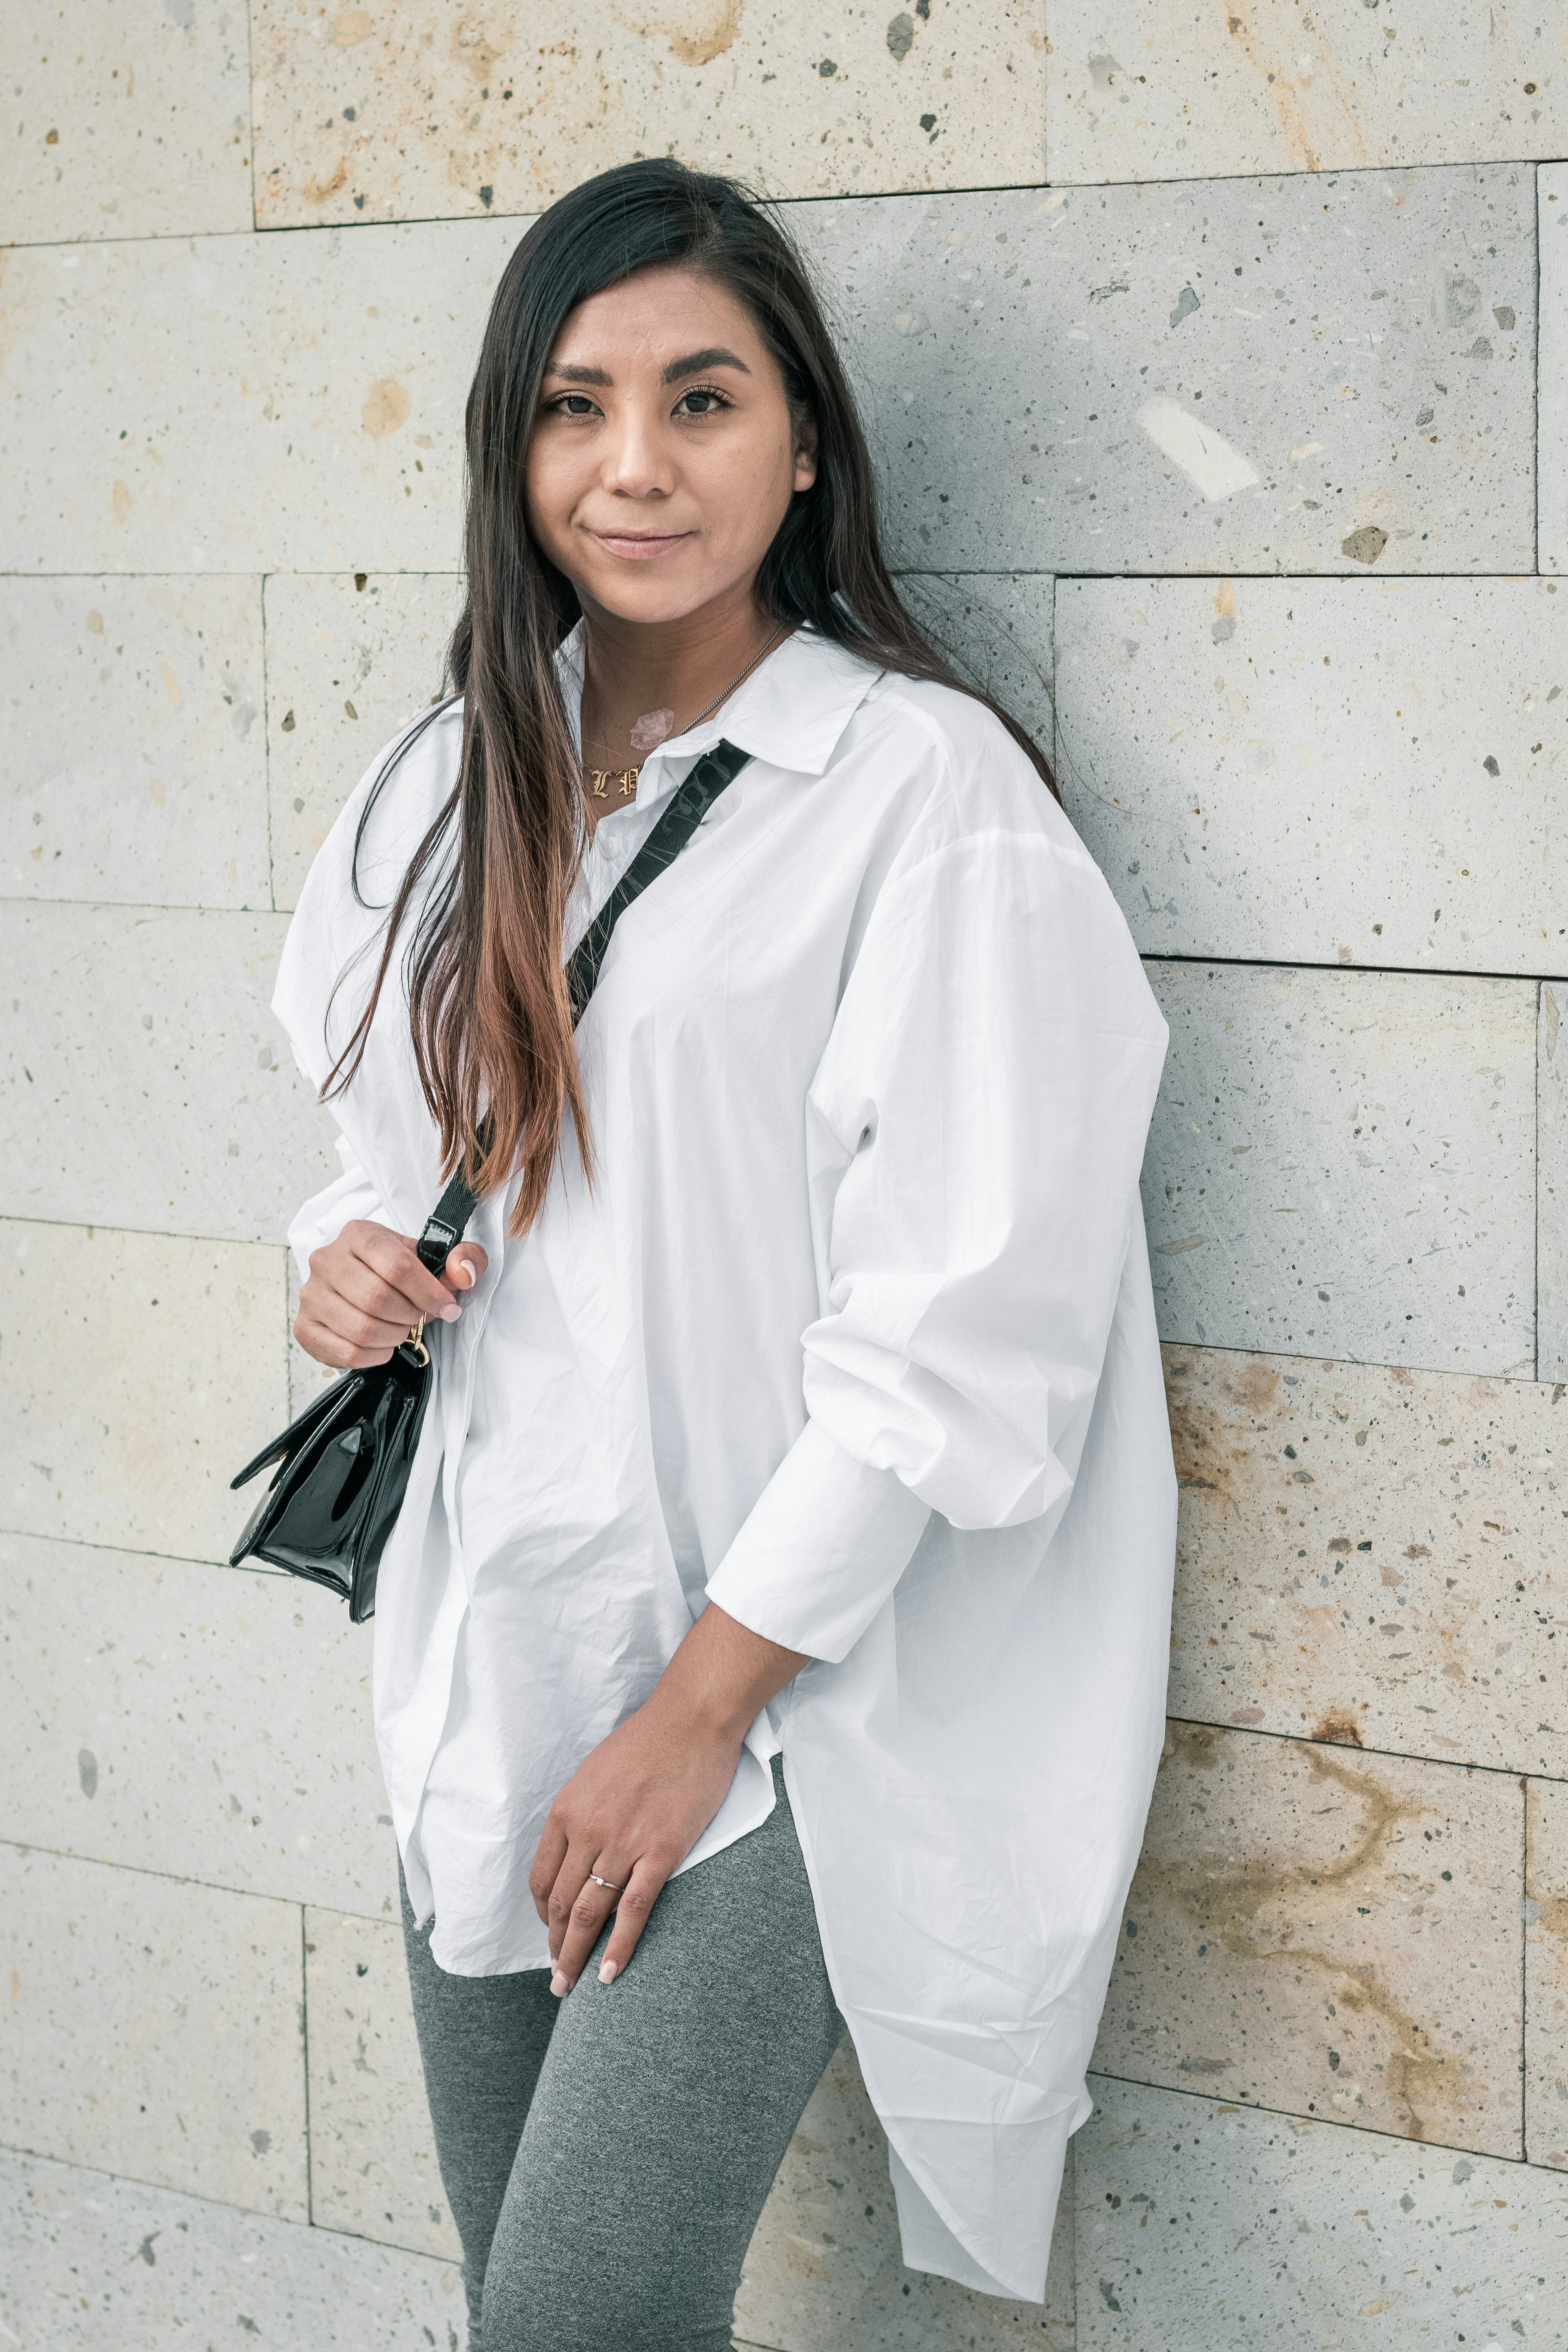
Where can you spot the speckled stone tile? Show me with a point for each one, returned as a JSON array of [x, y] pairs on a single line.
[[1344, 1164], [403, 111], [148, 1083], [825, 2272], [93, 2262], [1546, 1973], [372, 2151], [1130, 379], [137, 1374], [128, 121], [156, 2026], [1203, 2226], [1371, 1556], [207, 1722], [131, 741], [1330, 1934], [1551, 1184], [1551, 366], [328, 372], [1153, 89], [1361, 771], [350, 660], [996, 630]]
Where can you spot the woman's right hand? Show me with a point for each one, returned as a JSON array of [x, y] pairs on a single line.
[[367, 1289]]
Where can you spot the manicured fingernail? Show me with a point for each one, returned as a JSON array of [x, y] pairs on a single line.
[[558, 1984], [466, 1271], [608, 1972], [450, 1314]]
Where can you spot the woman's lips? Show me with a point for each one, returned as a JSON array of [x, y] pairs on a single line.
[[639, 547]]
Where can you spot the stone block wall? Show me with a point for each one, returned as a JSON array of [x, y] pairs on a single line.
[[1216, 366]]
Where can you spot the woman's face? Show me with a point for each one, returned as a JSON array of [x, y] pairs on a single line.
[[664, 455]]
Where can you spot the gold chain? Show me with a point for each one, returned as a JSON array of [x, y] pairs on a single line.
[[625, 779]]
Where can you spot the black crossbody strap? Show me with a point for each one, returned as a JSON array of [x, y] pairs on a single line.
[[447, 1222]]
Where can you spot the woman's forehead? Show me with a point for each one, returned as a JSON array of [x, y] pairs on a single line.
[[654, 320]]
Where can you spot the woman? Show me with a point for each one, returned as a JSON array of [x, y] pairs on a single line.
[[774, 1637]]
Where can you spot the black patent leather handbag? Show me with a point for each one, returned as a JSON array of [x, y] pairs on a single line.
[[342, 1466]]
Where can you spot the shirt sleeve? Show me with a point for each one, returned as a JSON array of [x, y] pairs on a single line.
[[975, 1131], [324, 1215]]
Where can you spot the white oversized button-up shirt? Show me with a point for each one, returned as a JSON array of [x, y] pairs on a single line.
[[853, 1336]]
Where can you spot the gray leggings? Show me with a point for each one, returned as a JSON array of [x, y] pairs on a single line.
[[606, 2156]]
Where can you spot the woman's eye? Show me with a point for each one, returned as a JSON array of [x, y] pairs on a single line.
[[701, 404], [575, 403]]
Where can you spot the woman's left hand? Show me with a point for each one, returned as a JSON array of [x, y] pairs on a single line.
[[633, 1810]]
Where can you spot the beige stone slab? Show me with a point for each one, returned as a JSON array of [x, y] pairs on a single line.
[[351, 659], [1153, 89], [1371, 1557], [137, 1374], [155, 2026], [130, 121], [1197, 377], [402, 111], [1551, 1184], [1360, 772], [373, 2152], [93, 2262], [242, 404], [1546, 1973], [131, 740], [1344, 1164], [307, 1378], [147, 1082], [208, 1723], [1203, 2226], [1552, 369], [825, 2271], [1329, 1934]]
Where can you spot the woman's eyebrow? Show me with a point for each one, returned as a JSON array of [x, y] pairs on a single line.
[[579, 375], [697, 362]]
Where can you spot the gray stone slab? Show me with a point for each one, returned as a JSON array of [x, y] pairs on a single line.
[[1330, 1934], [133, 123], [1199, 377], [996, 630], [825, 2272], [93, 2261], [147, 1082], [395, 115], [1344, 1164], [243, 403], [1546, 1973], [351, 659], [1551, 1185], [1202, 2225], [1371, 1556], [373, 2152], [1551, 367], [156, 2026], [1155, 90], [204, 1722], [132, 745], [1363, 771], [137, 1374]]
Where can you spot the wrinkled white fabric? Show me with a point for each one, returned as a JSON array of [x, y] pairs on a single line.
[[853, 1336]]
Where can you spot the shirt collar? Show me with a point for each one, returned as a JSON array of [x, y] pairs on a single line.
[[790, 712]]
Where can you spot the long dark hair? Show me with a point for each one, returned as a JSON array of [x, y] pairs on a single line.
[[491, 1021]]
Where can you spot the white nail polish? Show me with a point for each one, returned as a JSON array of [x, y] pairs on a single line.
[[450, 1314], [608, 1972], [558, 1984]]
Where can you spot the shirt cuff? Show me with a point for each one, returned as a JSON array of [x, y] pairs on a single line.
[[826, 1542]]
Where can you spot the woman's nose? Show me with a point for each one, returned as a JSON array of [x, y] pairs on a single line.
[[637, 463]]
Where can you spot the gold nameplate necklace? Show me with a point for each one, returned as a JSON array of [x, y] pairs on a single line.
[[625, 779]]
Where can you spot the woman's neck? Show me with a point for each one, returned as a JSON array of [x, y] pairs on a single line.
[[644, 681]]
